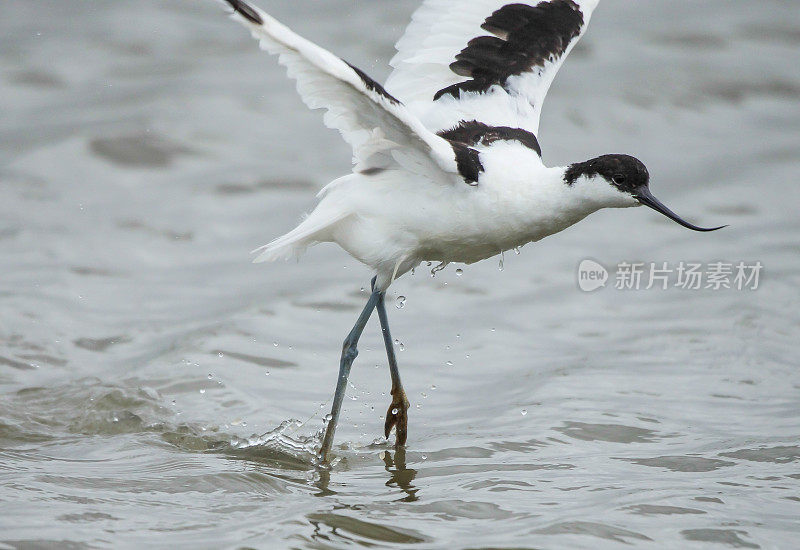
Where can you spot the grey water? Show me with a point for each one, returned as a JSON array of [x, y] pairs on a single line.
[[150, 375]]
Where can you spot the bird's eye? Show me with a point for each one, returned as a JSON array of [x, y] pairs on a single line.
[[619, 179]]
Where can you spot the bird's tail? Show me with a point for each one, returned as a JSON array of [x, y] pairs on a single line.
[[314, 229]]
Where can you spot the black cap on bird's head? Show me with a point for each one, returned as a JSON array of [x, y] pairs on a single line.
[[628, 175]]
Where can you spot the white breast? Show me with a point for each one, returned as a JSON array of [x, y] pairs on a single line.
[[516, 201]]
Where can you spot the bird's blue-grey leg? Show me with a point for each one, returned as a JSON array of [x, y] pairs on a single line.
[[349, 353], [397, 414]]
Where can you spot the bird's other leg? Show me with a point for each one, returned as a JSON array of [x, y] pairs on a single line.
[[349, 353], [397, 414]]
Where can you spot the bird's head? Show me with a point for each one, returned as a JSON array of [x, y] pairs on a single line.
[[619, 181]]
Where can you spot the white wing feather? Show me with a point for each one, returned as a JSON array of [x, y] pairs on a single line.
[[383, 133]]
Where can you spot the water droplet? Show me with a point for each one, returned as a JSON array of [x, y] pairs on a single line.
[[433, 386], [424, 457], [501, 265], [524, 412], [266, 373], [401, 302], [449, 363], [354, 398], [466, 356], [362, 289], [173, 402], [210, 375], [438, 268], [244, 423], [401, 346], [447, 348], [459, 272], [202, 391], [328, 418], [424, 395], [220, 354], [275, 344], [419, 406], [394, 411]]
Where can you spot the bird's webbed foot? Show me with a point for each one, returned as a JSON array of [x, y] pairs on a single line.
[[397, 416]]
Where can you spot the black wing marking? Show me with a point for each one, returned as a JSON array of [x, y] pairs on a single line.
[[477, 133], [524, 37]]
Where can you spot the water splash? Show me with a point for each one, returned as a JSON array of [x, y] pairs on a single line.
[[281, 442]]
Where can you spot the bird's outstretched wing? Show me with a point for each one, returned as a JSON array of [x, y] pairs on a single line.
[[383, 133], [486, 60]]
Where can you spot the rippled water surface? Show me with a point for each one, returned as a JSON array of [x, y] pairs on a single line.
[[149, 145]]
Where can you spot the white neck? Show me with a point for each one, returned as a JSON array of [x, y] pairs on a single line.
[[546, 204]]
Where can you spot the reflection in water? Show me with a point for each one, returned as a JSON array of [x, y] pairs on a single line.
[[400, 475], [331, 527]]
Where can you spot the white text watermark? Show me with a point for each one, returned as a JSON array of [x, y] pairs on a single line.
[[665, 275]]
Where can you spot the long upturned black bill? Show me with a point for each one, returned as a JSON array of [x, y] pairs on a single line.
[[645, 197]]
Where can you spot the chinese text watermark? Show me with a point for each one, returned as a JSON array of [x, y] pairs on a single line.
[[664, 275]]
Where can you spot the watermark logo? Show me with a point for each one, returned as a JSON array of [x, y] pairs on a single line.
[[591, 275], [663, 276]]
